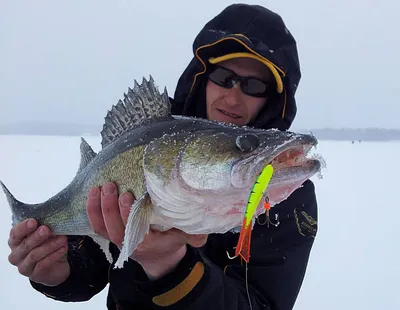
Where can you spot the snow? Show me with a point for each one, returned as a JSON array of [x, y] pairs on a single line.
[[353, 265]]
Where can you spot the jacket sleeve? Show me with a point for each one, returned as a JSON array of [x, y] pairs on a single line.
[[89, 272], [278, 262]]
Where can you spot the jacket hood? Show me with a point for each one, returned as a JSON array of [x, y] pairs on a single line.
[[251, 29]]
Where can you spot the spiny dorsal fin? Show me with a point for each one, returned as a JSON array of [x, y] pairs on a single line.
[[141, 104], [87, 154]]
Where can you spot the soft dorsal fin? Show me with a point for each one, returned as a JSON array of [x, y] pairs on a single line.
[[141, 104], [87, 154]]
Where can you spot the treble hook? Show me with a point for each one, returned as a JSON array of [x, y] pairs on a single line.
[[267, 220], [229, 256]]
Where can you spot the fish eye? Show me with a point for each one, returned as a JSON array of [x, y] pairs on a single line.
[[247, 143]]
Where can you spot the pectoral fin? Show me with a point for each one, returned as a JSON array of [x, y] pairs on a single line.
[[137, 227]]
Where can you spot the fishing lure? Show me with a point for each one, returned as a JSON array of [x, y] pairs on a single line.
[[256, 193]]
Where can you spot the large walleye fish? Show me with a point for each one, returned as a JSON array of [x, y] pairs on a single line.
[[191, 174]]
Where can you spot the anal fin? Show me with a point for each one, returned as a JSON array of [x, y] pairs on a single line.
[[104, 245], [138, 225]]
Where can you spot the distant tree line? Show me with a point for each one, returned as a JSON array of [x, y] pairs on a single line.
[[71, 129]]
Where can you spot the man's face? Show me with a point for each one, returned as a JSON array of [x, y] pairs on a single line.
[[231, 105]]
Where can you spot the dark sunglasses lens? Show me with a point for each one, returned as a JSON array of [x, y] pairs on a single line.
[[255, 87], [221, 77]]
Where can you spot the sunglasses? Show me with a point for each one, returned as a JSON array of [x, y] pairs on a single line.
[[249, 85]]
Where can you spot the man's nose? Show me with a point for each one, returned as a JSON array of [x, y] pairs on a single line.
[[234, 94], [236, 88]]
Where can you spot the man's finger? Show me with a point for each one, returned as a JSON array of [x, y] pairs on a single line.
[[94, 212], [112, 217], [20, 231], [126, 201], [37, 254], [48, 262], [28, 244]]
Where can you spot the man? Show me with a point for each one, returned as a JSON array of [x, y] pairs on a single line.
[[245, 71]]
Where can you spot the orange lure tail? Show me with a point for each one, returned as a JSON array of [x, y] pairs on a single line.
[[244, 242], [243, 245]]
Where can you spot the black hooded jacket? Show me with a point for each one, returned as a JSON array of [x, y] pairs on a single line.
[[206, 278]]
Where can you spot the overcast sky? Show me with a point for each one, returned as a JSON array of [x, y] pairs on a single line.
[[72, 60]]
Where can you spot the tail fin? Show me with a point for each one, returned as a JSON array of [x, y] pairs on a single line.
[[15, 205]]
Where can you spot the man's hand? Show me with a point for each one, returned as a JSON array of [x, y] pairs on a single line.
[[159, 253], [38, 254]]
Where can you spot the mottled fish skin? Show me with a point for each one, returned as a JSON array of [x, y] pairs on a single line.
[[193, 174]]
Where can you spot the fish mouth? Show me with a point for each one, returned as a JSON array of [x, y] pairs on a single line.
[[293, 162], [293, 165]]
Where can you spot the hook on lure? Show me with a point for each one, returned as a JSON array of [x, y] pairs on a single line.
[[267, 220]]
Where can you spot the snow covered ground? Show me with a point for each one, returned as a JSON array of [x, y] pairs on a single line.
[[354, 264]]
